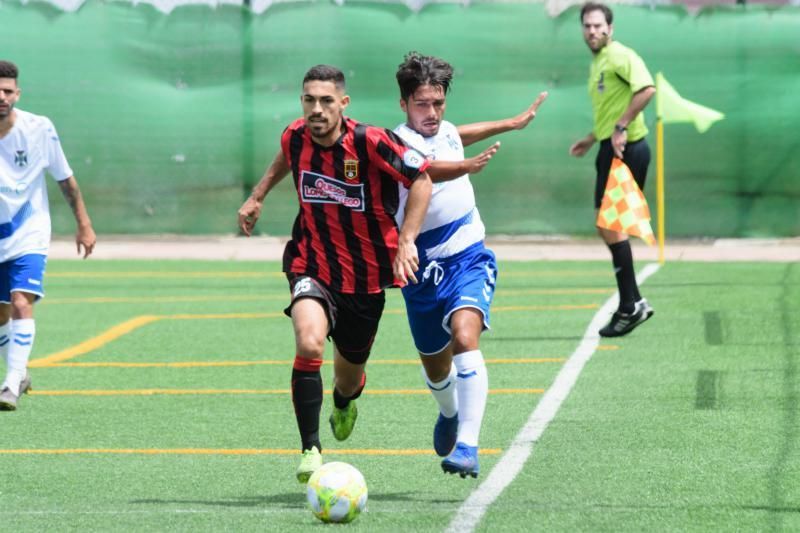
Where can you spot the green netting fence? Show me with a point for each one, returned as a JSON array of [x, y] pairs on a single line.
[[168, 120]]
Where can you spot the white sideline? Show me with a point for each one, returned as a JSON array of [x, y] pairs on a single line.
[[475, 506]]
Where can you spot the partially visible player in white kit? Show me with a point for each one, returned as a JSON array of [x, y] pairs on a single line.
[[449, 308], [29, 146]]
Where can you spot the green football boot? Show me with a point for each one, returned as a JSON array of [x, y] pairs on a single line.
[[310, 461], [343, 421]]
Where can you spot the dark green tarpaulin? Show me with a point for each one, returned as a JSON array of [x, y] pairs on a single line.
[[168, 119]]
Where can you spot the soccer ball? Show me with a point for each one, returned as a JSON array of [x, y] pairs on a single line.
[[337, 492]]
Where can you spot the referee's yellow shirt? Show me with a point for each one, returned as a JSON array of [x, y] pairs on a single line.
[[616, 73]]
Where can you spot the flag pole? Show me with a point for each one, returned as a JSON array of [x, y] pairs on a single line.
[[660, 186]]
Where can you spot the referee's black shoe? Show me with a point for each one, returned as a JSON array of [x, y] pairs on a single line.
[[623, 323]]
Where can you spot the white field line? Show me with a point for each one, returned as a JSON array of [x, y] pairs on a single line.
[[510, 464]]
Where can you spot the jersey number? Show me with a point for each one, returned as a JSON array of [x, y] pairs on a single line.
[[304, 285]]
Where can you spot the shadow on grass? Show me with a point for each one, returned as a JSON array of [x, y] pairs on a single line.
[[411, 497], [292, 500], [490, 338], [772, 509]]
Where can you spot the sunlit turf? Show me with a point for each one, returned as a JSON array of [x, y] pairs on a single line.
[[690, 423]]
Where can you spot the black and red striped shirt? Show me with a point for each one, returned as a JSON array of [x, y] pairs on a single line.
[[345, 234]]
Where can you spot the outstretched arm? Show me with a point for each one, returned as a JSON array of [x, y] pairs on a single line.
[[472, 133], [84, 236], [251, 208], [449, 170], [406, 261]]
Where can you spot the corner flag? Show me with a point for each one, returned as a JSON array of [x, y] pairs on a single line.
[[624, 208], [671, 107]]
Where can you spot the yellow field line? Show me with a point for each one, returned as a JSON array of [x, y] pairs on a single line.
[[273, 297], [182, 392], [164, 274], [221, 451], [221, 316], [96, 342], [515, 308], [128, 326], [556, 274], [162, 299], [192, 364], [185, 364], [528, 292], [544, 307], [259, 274]]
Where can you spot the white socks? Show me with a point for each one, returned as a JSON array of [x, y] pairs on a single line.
[[5, 341], [473, 388], [444, 392], [21, 334]]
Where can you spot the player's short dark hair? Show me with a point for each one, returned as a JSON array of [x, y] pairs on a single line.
[[8, 70], [325, 73], [597, 6], [417, 69]]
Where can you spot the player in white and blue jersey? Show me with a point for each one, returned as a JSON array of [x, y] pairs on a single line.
[[29, 147], [449, 308]]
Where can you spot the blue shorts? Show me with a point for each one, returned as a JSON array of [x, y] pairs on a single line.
[[23, 274], [466, 279]]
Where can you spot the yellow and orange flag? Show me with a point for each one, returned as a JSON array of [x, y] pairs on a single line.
[[624, 208]]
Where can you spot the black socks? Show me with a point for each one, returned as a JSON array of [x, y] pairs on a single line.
[[622, 258]]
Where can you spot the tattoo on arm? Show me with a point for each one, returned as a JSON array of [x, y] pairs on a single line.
[[71, 194]]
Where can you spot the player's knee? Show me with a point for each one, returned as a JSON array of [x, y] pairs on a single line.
[[21, 305], [466, 339], [310, 346]]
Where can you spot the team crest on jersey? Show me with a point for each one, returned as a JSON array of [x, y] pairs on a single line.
[[320, 189], [351, 169], [601, 86], [21, 158]]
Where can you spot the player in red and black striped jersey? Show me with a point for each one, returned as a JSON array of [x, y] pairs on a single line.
[[345, 234], [346, 247]]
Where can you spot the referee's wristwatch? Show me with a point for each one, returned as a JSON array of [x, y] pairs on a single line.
[[619, 128]]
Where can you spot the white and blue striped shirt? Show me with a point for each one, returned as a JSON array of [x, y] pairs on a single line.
[[452, 223], [26, 152]]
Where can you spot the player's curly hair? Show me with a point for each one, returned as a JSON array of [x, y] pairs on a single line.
[[8, 70], [597, 6], [417, 69], [325, 73]]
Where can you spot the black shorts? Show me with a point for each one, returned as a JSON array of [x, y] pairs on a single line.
[[636, 156], [352, 318]]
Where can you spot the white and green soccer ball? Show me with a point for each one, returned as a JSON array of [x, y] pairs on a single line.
[[337, 492]]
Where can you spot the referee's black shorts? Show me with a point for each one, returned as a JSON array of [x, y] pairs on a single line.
[[636, 156]]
